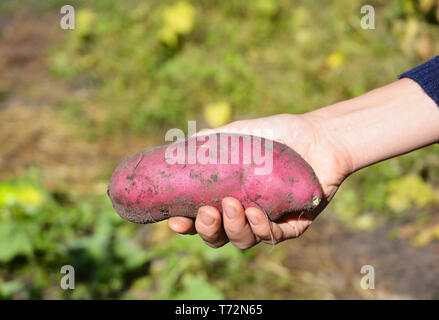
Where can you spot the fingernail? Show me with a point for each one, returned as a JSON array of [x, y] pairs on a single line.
[[207, 220], [253, 220], [230, 212]]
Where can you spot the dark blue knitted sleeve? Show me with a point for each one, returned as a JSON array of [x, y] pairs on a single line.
[[427, 76]]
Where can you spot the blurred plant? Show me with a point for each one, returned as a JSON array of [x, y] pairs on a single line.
[[38, 235], [40, 232], [179, 21], [267, 8], [141, 82], [263, 57], [335, 60], [217, 114], [140, 67], [84, 19], [430, 8], [411, 24], [410, 191]]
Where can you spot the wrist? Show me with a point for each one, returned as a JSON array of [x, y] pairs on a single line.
[[384, 123], [327, 138]]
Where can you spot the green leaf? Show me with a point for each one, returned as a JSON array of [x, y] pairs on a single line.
[[197, 287], [132, 255], [7, 289], [14, 241]]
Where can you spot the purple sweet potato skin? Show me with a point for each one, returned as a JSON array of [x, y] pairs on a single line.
[[145, 188]]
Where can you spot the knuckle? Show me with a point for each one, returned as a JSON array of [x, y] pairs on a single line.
[[235, 228], [265, 236], [210, 238], [273, 241], [215, 245], [243, 245]]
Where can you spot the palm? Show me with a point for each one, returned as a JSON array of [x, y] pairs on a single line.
[[307, 138]]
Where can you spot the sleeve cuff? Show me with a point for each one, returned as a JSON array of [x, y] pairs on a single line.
[[427, 76]]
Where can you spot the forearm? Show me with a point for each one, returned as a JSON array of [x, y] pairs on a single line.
[[381, 124]]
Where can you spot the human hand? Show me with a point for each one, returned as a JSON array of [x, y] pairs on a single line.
[[336, 141], [245, 228]]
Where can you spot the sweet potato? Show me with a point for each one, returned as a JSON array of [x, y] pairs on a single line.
[[149, 186]]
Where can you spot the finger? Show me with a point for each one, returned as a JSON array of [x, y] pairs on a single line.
[[262, 227], [209, 227], [294, 226], [236, 225], [203, 132], [182, 225], [233, 127], [239, 127]]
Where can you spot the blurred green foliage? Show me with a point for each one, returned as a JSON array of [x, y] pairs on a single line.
[[259, 58], [38, 235], [152, 65], [40, 232], [159, 63]]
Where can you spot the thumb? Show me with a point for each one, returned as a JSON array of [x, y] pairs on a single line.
[[228, 128], [203, 132]]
